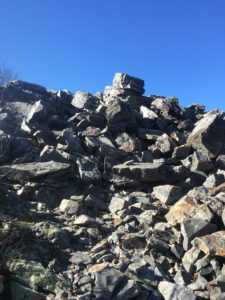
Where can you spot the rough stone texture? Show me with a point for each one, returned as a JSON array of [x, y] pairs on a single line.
[[168, 194], [188, 208], [147, 172], [213, 244], [124, 81], [27, 171], [114, 195], [174, 291], [208, 135]]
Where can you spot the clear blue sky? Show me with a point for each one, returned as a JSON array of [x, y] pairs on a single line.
[[176, 46]]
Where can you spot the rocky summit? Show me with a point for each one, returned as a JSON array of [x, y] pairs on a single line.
[[110, 196]]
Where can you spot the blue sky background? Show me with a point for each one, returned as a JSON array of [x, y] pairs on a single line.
[[177, 47]]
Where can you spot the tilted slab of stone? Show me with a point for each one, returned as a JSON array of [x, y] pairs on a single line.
[[124, 81], [208, 135], [147, 172], [27, 171]]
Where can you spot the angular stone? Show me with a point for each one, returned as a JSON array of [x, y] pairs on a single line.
[[182, 277], [130, 242], [201, 162], [181, 152], [118, 203], [189, 259], [213, 181], [70, 207], [188, 208], [212, 244], [130, 290], [165, 144], [84, 220], [119, 116], [28, 171], [35, 275], [208, 135], [147, 172], [83, 100], [106, 282], [80, 258], [161, 104], [37, 114], [73, 142], [195, 227], [88, 169], [220, 162], [174, 291], [125, 81], [168, 194]]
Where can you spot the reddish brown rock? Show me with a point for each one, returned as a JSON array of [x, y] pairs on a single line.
[[213, 244], [187, 208]]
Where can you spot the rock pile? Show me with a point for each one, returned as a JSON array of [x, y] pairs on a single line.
[[110, 196]]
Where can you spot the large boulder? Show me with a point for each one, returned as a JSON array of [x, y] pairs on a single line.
[[208, 135], [127, 82]]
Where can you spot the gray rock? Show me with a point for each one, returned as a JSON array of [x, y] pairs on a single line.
[[174, 291], [201, 162], [125, 81], [80, 258], [70, 207], [106, 282], [168, 194], [84, 220], [19, 291], [208, 135], [181, 152], [182, 277], [28, 171], [193, 228], [73, 143], [83, 100], [88, 169], [35, 88], [213, 181], [5, 147], [119, 116], [50, 153], [220, 162], [146, 172], [37, 113], [161, 104], [118, 203], [130, 290], [165, 144]]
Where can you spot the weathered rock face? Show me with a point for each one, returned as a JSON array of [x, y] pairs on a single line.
[[110, 196], [209, 134]]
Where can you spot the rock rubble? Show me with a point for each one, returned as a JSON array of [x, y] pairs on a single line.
[[115, 195]]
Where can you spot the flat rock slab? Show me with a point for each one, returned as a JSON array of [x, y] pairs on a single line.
[[187, 208], [147, 172], [28, 171], [213, 244]]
